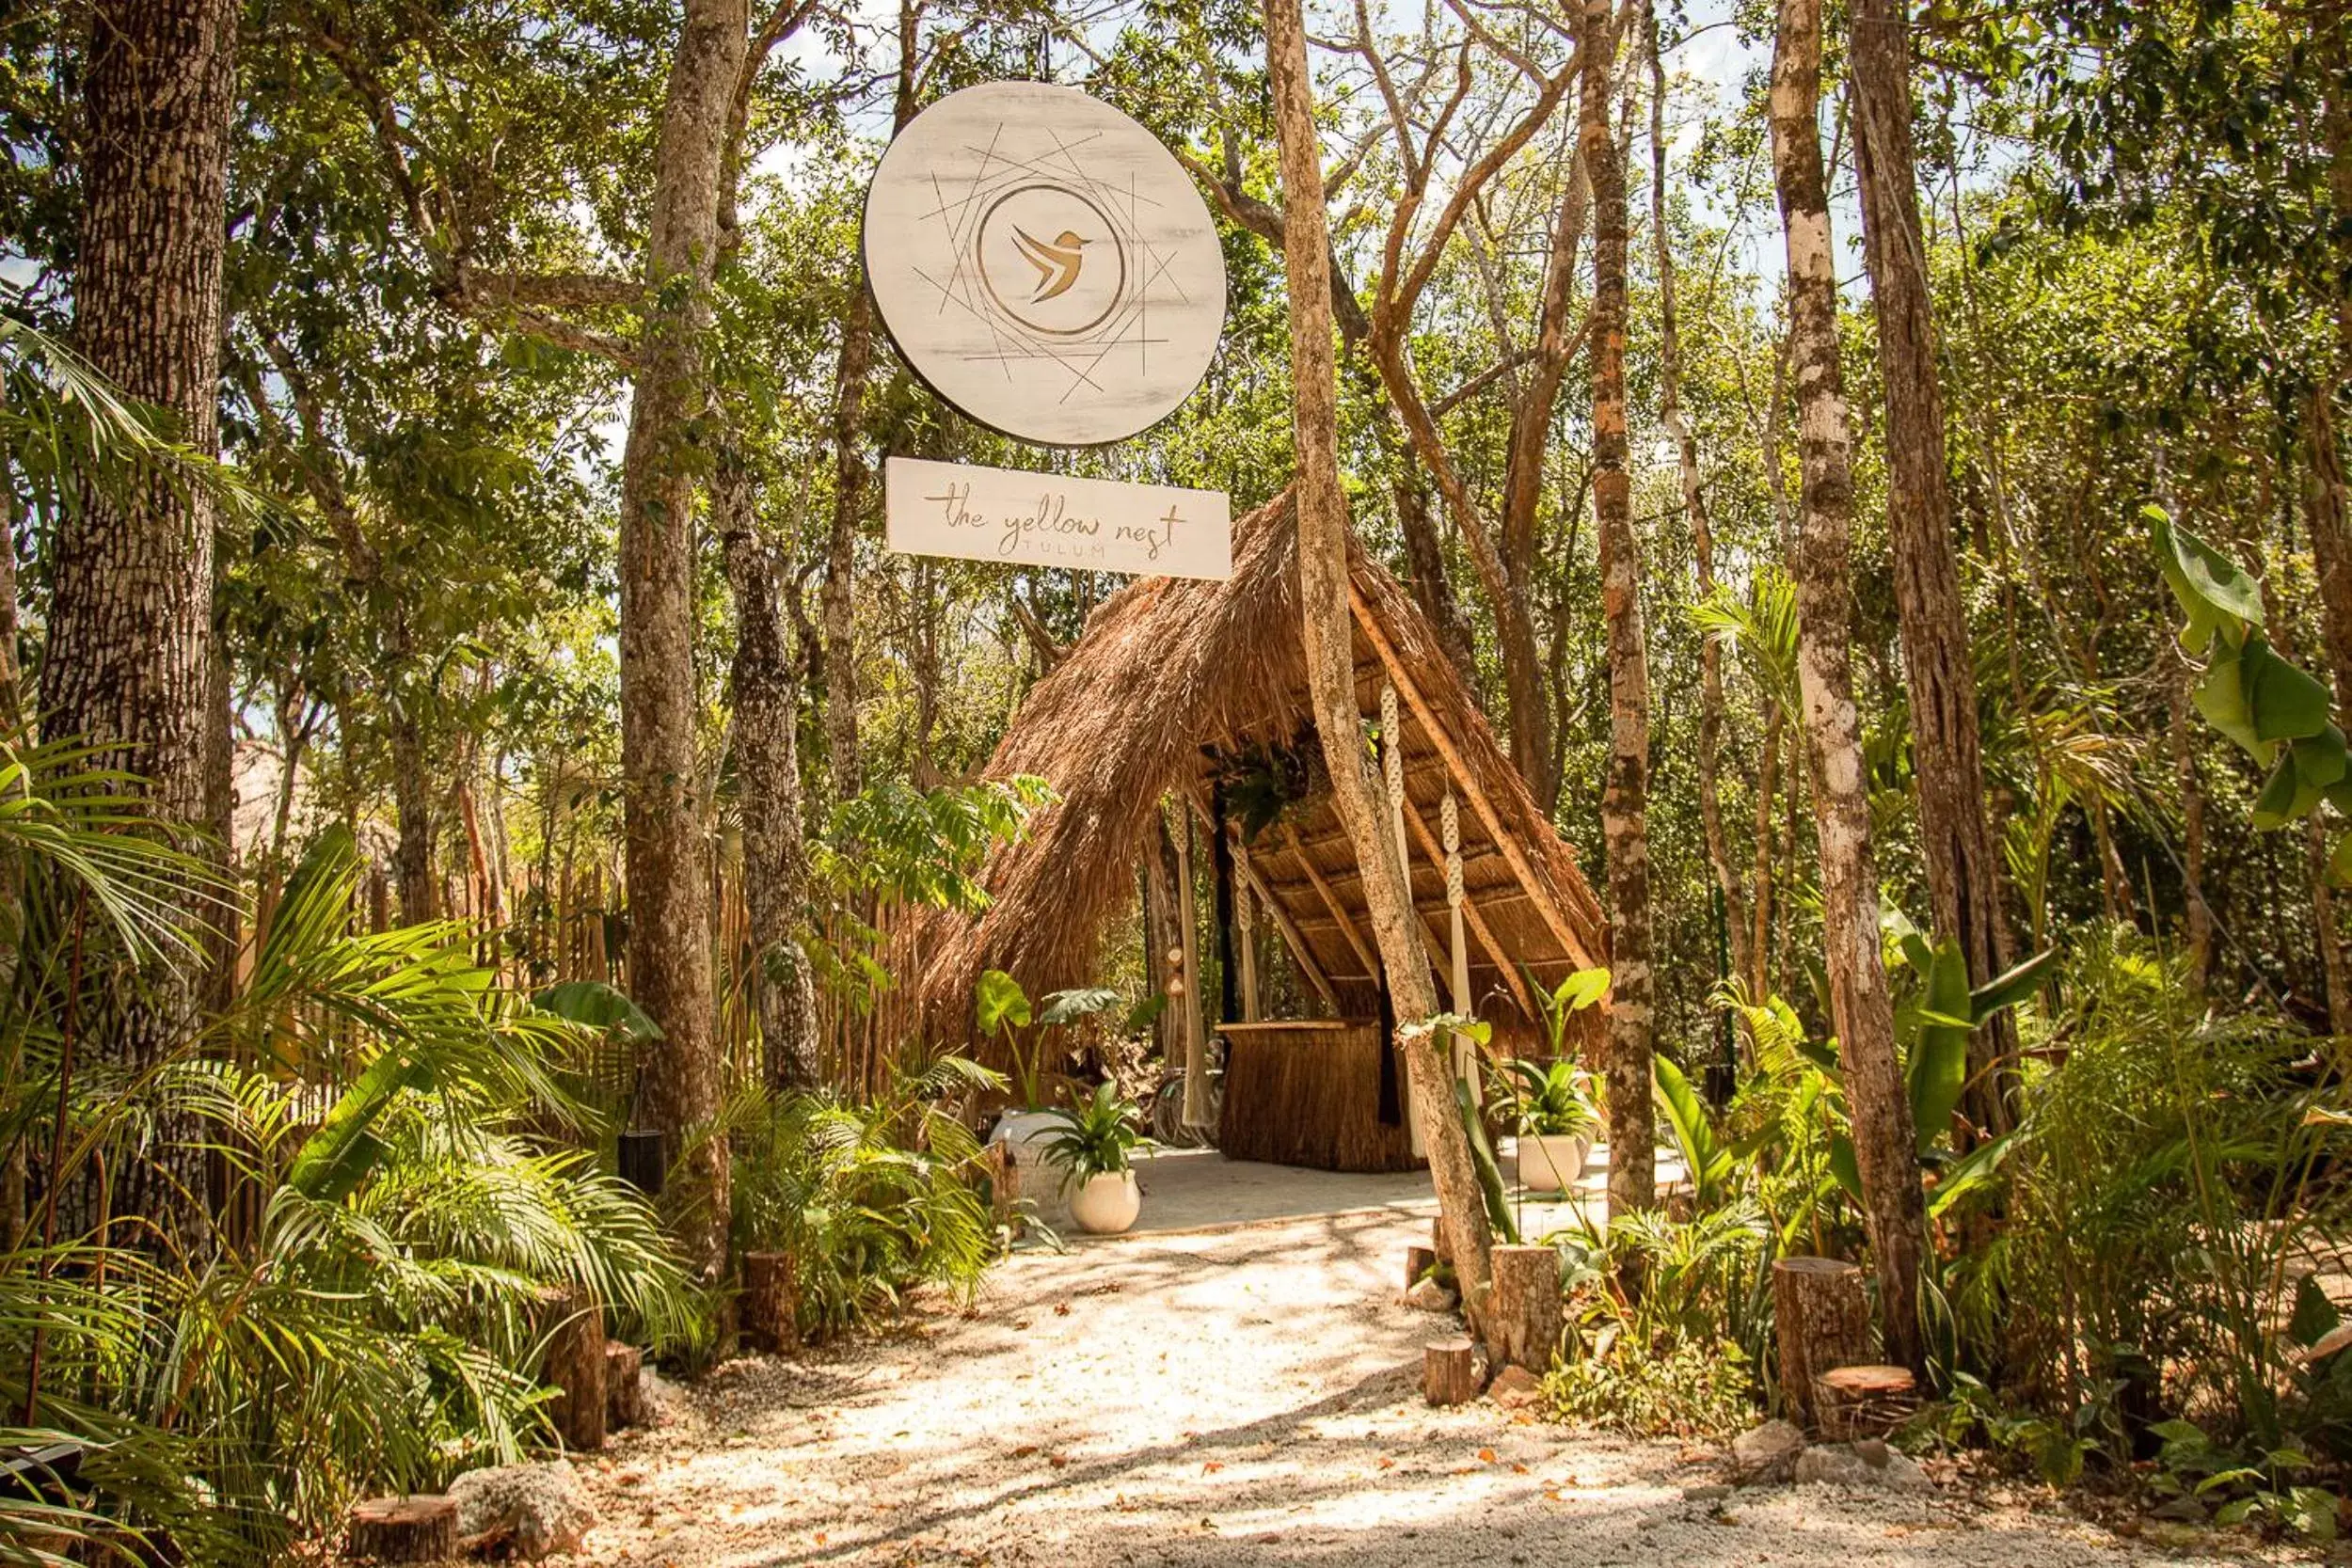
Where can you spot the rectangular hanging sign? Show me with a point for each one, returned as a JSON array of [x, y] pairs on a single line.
[[1025, 519]]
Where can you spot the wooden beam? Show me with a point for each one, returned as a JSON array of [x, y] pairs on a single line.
[[1331, 901], [1301, 953], [1512, 850], [1484, 933]]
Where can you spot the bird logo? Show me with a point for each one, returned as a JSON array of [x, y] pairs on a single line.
[[1057, 262]]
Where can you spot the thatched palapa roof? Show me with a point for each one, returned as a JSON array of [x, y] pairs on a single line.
[[1169, 673]]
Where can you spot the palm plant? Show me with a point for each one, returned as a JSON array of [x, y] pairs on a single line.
[[1098, 1136], [871, 1200], [1546, 1098]]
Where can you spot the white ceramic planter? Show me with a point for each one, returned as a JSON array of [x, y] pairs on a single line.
[[1106, 1205], [1551, 1162], [1024, 1132]]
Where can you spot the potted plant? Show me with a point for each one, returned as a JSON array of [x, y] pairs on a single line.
[[1094, 1144], [1549, 1104], [1003, 1010]]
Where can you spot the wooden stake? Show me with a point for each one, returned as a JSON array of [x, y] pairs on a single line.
[[573, 1365], [1525, 1326], [772, 1300], [1822, 1320], [1863, 1402], [1452, 1371], [624, 1402], [419, 1528]]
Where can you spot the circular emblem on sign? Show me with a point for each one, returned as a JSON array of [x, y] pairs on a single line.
[[1044, 263]]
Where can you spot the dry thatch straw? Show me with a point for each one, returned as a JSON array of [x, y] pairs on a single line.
[[1172, 671]]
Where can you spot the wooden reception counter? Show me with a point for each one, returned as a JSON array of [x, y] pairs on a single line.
[[1307, 1093]]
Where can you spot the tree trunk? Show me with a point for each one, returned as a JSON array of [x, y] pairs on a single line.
[[1939, 671], [1894, 1208], [412, 812], [1677, 423], [1163, 938], [128, 664], [1328, 632], [834, 602], [1426, 557], [1624, 795], [2197, 914], [668, 932], [766, 690], [1820, 1320]]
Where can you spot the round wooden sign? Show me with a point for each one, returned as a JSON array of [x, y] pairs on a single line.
[[1044, 264]]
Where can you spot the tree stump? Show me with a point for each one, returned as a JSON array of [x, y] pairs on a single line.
[[573, 1364], [1004, 1184], [1419, 1260], [1822, 1317], [1452, 1373], [772, 1300], [1524, 1321], [404, 1529], [1437, 1242], [624, 1403], [1862, 1402]]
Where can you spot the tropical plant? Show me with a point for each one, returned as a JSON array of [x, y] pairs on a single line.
[[1098, 1136], [871, 1199], [1002, 1010], [1546, 1098]]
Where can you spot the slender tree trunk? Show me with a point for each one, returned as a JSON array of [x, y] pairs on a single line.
[[2197, 915], [668, 933], [833, 599], [1894, 1208], [1165, 929], [1329, 629], [1426, 557], [412, 812], [1677, 423], [765, 687], [129, 657], [1624, 795], [1760, 941], [1938, 668]]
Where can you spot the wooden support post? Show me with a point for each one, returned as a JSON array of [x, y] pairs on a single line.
[[1301, 953], [1513, 852], [1245, 917], [624, 1402], [772, 1300], [573, 1364], [1196, 1111], [1524, 1322], [1004, 1183], [1479, 928], [1863, 1402], [1419, 1260], [1453, 1371], [1822, 1318], [421, 1529], [1331, 901]]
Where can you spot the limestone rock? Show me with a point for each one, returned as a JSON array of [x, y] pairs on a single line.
[[1515, 1388], [1766, 1454], [1873, 1467], [531, 1510], [2183, 1510], [1430, 1297]]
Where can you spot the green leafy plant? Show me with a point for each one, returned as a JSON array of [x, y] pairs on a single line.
[[1098, 1136], [2272, 709], [871, 1200], [1546, 1098], [1002, 1010]]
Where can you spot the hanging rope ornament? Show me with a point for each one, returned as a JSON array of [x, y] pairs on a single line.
[[1245, 929], [1449, 835]]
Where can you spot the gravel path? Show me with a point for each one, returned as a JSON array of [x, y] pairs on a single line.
[[1206, 1400]]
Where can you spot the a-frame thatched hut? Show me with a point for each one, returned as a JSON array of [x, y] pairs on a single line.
[[1175, 679]]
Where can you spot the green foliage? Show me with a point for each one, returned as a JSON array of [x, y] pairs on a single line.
[[1576, 991], [2273, 710], [1546, 1098], [871, 1199], [1689, 1389], [1002, 1008], [1098, 1136]]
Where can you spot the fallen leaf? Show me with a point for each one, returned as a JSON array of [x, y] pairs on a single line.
[[1212, 1467], [1024, 1450], [1061, 1309], [1487, 1456], [1517, 1468]]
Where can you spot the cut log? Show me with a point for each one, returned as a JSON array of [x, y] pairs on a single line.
[[1823, 1322], [1004, 1185], [1523, 1327], [1453, 1371], [624, 1403], [1862, 1402], [1436, 1242], [573, 1365], [772, 1300], [404, 1529], [1419, 1260]]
